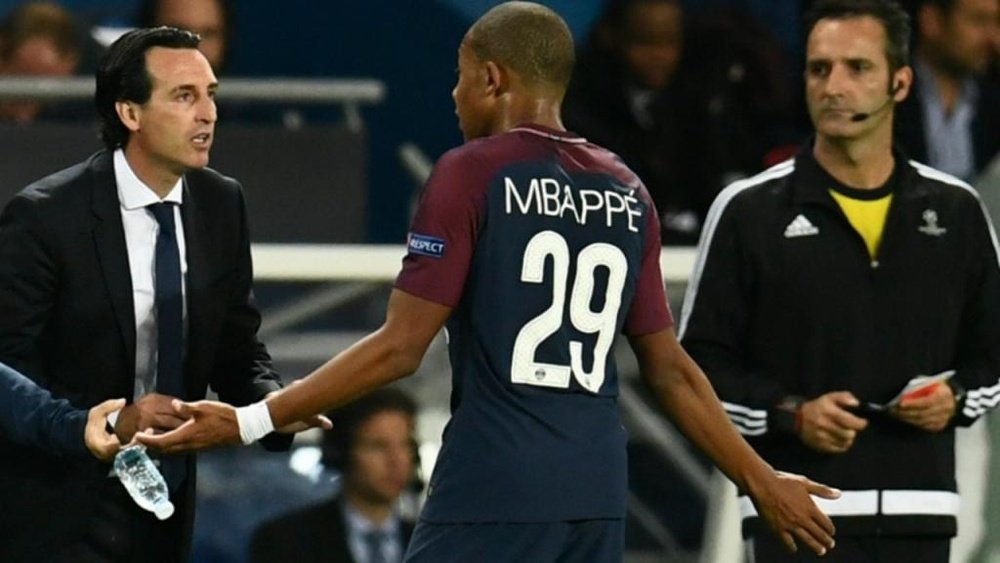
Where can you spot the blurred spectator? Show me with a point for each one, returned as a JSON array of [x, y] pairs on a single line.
[[211, 19], [690, 106], [372, 445], [36, 39], [952, 115]]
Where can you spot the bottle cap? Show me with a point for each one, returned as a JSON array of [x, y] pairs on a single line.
[[164, 509]]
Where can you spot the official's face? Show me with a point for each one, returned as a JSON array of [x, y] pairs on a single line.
[[847, 73], [175, 128], [472, 105], [382, 457]]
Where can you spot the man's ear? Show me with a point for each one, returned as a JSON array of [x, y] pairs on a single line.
[[128, 113], [902, 80], [497, 79]]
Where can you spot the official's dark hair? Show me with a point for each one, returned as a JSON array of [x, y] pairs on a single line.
[[893, 17], [339, 441], [122, 75], [528, 38]]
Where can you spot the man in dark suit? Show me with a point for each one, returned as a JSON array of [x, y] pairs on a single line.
[[951, 117], [127, 275], [372, 446]]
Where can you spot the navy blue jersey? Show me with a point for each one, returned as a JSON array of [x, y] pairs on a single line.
[[547, 247]]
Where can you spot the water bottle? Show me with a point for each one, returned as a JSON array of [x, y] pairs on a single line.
[[143, 481]]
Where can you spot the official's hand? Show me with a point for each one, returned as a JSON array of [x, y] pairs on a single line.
[[783, 502], [826, 424], [103, 444], [208, 424], [317, 421], [930, 412], [151, 411]]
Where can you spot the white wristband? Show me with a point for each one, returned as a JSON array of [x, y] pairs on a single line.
[[254, 421]]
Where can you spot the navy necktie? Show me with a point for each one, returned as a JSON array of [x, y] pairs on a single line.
[[373, 541], [169, 324]]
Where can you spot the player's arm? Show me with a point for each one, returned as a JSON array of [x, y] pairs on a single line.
[[393, 351], [685, 394]]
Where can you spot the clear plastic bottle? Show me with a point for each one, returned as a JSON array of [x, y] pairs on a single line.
[[143, 481]]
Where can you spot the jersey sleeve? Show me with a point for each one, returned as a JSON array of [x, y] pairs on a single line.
[[444, 230], [649, 311]]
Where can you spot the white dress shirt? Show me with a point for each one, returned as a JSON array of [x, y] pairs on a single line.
[[141, 230], [358, 526]]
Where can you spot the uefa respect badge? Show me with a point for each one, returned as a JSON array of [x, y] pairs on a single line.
[[425, 245]]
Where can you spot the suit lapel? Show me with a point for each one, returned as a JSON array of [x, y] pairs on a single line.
[[109, 243], [196, 240]]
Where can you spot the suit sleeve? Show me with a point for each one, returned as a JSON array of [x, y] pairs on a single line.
[[31, 416], [978, 367], [243, 372], [715, 321]]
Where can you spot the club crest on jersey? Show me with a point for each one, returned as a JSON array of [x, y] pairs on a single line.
[[930, 226], [425, 245]]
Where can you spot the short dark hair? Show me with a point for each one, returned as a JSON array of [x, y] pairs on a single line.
[[892, 16], [528, 38], [122, 75], [338, 443]]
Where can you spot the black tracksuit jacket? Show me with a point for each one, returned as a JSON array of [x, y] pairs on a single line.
[[785, 300]]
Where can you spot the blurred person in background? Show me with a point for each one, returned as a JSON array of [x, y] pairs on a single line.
[[951, 119], [36, 39], [372, 446], [689, 104], [830, 283], [212, 20]]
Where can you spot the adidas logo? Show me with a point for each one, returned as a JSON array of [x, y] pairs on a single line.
[[800, 227]]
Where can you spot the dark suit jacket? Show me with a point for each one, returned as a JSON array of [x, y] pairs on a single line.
[[67, 321], [31, 416], [911, 133], [316, 534]]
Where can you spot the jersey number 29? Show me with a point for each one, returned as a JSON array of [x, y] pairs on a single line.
[[524, 368]]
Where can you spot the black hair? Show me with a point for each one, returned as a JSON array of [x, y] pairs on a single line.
[[889, 13], [339, 441], [122, 75], [528, 38]]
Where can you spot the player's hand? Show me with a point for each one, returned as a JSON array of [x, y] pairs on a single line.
[[208, 424], [784, 503], [317, 421], [930, 412], [103, 444], [826, 424], [151, 411]]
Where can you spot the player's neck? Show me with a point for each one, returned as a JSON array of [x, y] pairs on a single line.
[[859, 163], [375, 511], [523, 110]]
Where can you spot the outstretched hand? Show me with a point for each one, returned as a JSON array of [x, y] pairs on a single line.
[[103, 444], [784, 503], [209, 424]]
